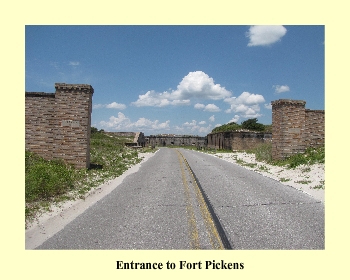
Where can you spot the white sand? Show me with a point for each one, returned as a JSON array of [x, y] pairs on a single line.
[[304, 178]]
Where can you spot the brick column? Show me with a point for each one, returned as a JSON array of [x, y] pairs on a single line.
[[288, 126], [73, 123]]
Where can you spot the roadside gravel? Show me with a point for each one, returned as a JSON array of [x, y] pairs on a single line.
[[309, 179]]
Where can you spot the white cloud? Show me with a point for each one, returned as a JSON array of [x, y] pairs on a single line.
[[74, 63], [199, 106], [234, 119], [264, 35], [280, 89], [193, 123], [212, 118], [207, 108], [123, 123], [196, 85], [97, 106], [113, 105], [247, 104], [117, 123], [194, 128], [268, 106], [212, 108]]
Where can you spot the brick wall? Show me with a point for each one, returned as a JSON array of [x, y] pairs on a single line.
[[237, 140], [58, 125], [295, 128], [176, 140], [314, 128]]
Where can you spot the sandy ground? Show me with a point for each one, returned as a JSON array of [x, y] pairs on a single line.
[[307, 179]]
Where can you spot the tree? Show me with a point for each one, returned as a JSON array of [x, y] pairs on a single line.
[[93, 130], [252, 124]]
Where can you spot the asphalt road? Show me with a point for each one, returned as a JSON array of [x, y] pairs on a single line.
[[181, 199]]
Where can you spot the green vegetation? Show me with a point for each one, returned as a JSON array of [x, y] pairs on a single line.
[[250, 124], [321, 186], [52, 181], [311, 156], [232, 126], [263, 152], [305, 182], [284, 179]]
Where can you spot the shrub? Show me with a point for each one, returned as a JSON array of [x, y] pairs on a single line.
[[45, 179]]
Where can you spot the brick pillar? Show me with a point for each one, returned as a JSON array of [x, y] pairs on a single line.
[[288, 125], [73, 123]]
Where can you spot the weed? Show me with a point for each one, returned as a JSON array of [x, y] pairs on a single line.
[[306, 169], [321, 186], [263, 168], [284, 179], [304, 182]]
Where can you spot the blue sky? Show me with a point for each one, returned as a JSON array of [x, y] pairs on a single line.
[[179, 79]]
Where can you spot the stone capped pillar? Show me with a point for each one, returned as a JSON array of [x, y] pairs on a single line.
[[288, 126]]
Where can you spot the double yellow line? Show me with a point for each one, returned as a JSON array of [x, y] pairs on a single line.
[[212, 231]]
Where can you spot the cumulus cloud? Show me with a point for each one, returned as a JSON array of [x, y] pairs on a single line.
[[97, 106], [113, 105], [123, 123], [212, 108], [194, 128], [212, 118], [117, 123], [196, 85], [280, 89], [265, 35], [199, 106], [268, 106], [234, 119], [246, 105], [207, 108]]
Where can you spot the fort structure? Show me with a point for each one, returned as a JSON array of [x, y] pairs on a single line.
[[58, 125], [295, 128], [176, 140], [138, 138], [237, 140]]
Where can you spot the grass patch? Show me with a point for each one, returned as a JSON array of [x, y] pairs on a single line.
[[311, 156], [49, 182]]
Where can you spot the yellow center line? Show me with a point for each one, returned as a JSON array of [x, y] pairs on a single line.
[[191, 217], [213, 233]]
